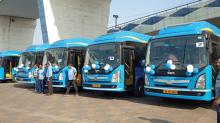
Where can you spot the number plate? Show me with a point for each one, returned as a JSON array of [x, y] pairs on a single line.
[[170, 92], [96, 85], [20, 79]]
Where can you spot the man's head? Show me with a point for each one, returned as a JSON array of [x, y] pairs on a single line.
[[36, 66], [70, 65], [40, 66], [218, 63]]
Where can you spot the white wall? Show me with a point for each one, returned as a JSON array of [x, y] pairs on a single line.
[[76, 18], [16, 33]]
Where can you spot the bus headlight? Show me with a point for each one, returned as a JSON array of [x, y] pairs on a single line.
[[116, 77], [61, 76], [200, 83], [146, 80], [30, 75]]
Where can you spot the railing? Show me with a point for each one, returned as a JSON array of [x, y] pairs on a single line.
[[156, 13]]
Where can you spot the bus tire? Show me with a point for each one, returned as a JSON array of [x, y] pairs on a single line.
[[139, 88]]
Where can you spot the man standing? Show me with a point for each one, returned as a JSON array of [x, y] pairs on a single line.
[[35, 75], [72, 72], [41, 79], [217, 90], [49, 74]]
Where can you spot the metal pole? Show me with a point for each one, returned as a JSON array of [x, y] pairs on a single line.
[[116, 20]]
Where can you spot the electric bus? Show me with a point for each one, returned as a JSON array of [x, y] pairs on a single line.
[[180, 62], [64, 52], [8, 60], [114, 63], [31, 56]]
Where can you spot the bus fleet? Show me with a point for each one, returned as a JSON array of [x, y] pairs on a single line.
[[178, 62]]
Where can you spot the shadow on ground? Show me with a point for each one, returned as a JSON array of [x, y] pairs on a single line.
[[149, 100]]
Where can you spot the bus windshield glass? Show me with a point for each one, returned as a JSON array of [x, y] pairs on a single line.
[[27, 59], [182, 50], [107, 53], [57, 57]]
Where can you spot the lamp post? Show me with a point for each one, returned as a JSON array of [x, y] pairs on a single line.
[[116, 20]]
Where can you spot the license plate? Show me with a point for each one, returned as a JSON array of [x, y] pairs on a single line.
[[20, 79], [96, 85], [170, 92]]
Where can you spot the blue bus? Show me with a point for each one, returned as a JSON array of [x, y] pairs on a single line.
[[114, 63], [8, 60], [180, 62], [64, 52], [31, 56]]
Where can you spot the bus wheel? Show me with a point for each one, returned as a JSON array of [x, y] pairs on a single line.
[[139, 88]]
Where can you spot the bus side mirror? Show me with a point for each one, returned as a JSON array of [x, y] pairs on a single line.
[[209, 47]]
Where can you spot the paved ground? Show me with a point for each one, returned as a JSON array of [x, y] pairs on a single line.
[[19, 104]]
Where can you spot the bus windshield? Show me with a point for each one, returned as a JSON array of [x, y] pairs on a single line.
[[57, 57], [182, 50], [108, 53], [27, 59]]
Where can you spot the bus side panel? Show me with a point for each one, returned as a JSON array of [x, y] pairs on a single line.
[[2, 73]]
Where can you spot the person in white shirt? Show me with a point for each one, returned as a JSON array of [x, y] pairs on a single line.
[[49, 75], [41, 79], [35, 75], [72, 72]]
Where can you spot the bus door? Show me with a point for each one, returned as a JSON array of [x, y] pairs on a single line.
[[75, 59], [128, 61], [7, 63], [39, 58]]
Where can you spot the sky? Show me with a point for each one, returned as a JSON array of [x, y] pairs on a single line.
[[132, 9]]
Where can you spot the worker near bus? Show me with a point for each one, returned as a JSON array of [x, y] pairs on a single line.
[[45, 78], [35, 75], [49, 75], [41, 79], [72, 73], [217, 90]]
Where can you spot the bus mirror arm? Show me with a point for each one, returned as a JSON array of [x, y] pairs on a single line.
[[209, 47]]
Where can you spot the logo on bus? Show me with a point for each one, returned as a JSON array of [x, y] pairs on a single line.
[[171, 73]]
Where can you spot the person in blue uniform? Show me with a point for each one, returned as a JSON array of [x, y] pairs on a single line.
[[72, 72], [217, 90]]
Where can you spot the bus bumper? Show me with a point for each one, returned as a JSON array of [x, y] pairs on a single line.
[[24, 80], [59, 84], [203, 95], [113, 87]]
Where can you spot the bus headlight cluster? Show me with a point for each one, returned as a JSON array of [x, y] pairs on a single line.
[[200, 83], [30, 75], [191, 69], [150, 69], [170, 65], [86, 68], [108, 68], [93, 66], [61, 76], [116, 77], [16, 69]]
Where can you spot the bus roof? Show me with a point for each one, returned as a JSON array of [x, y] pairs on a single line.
[[37, 48], [74, 42], [187, 29], [122, 36], [10, 53]]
